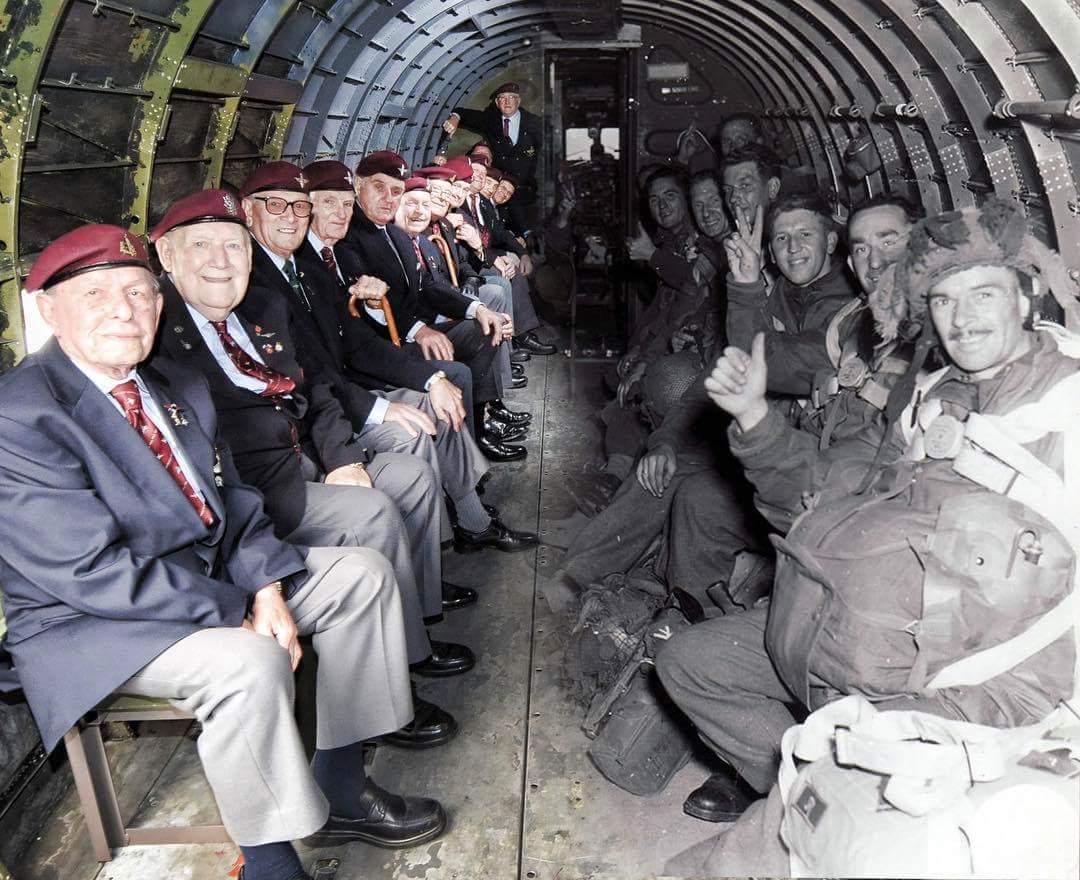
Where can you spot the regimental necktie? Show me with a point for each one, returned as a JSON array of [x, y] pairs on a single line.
[[485, 233], [276, 383], [127, 395], [506, 126], [328, 258], [294, 283], [419, 256]]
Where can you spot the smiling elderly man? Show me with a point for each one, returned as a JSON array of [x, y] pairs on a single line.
[[166, 579], [515, 138]]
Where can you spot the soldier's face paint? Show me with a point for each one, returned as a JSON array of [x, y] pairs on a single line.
[[877, 238], [210, 264], [667, 203], [801, 246], [330, 215], [378, 197], [414, 212], [280, 233], [106, 318], [708, 207], [979, 315]]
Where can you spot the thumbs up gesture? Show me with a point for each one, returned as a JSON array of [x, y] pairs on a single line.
[[640, 247], [738, 383]]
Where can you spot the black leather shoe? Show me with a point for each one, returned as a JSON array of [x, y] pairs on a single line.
[[430, 727], [447, 658], [389, 820], [531, 343], [721, 798], [496, 536], [455, 597], [301, 876], [517, 370], [496, 450], [519, 382], [497, 410], [500, 432], [520, 356]]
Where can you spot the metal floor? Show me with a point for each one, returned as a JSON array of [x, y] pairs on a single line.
[[525, 802]]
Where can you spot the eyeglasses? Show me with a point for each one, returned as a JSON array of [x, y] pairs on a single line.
[[275, 205]]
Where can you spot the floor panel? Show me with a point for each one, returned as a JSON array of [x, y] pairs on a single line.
[[525, 802]]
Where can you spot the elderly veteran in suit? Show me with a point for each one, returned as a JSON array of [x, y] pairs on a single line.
[[375, 246], [516, 138], [166, 578], [288, 434], [421, 429]]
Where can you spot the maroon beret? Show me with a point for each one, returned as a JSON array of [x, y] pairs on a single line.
[[477, 159], [328, 174], [437, 172], [416, 183], [511, 88], [461, 167], [275, 175], [96, 246], [208, 206], [383, 162], [495, 174]]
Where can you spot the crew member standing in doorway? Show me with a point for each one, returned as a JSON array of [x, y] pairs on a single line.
[[515, 138]]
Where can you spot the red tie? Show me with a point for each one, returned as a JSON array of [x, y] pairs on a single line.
[[419, 256], [506, 126], [276, 383], [127, 395], [485, 233], [328, 258]]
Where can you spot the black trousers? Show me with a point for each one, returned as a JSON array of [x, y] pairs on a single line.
[[473, 349]]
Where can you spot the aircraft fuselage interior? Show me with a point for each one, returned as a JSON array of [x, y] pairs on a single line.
[[539, 439]]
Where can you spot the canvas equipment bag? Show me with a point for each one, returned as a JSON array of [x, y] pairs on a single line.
[[905, 794]]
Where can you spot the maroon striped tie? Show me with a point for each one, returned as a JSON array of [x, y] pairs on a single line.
[[276, 383], [127, 395]]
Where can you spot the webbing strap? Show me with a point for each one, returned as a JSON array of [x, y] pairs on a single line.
[[996, 462]]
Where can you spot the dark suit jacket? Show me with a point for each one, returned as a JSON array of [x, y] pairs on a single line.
[[518, 160], [104, 563], [266, 434], [367, 357], [365, 251], [502, 239], [316, 332]]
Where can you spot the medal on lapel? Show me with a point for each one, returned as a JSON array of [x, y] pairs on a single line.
[[176, 415], [218, 479]]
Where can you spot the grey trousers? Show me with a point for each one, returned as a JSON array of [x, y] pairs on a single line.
[[719, 673], [496, 295], [240, 687], [453, 455], [399, 518]]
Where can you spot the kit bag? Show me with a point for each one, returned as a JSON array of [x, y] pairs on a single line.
[[907, 794]]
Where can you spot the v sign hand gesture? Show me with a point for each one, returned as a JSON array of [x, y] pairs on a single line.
[[744, 246]]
